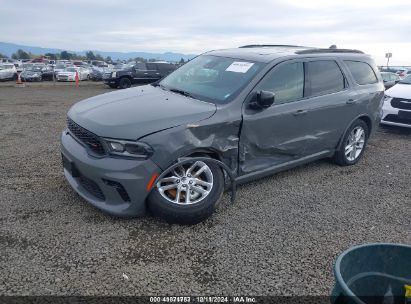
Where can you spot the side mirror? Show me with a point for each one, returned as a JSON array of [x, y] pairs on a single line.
[[262, 100]]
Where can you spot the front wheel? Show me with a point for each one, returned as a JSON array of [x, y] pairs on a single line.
[[353, 144], [188, 194], [124, 83]]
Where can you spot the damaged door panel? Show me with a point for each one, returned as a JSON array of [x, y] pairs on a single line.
[[280, 133]]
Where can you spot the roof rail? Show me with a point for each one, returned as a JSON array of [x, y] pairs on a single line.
[[329, 50], [268, 45]]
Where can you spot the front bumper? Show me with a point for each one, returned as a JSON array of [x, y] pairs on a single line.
[[66, 78], [390, 115], [110, 81], [116, 186], [30, 78]]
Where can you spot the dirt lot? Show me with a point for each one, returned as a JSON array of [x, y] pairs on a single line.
[[281, 236]]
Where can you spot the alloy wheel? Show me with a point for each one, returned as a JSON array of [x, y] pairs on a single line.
[[187, 184], [355, 143]]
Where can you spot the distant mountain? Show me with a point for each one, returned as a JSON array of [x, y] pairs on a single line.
[[10, 48]]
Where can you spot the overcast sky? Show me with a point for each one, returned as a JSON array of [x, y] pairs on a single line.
[[192, 27]]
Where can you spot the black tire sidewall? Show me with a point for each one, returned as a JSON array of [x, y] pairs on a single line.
[[357, 123], [188, 214], [124, 83]]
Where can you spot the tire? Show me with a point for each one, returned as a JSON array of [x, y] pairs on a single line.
[[188, 214], [346, 156], [124, 83]]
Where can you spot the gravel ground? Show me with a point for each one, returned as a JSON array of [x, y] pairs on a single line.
[[280, 237]]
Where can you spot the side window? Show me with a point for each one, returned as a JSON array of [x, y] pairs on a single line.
[[323, 77], [163, 67], [140, 66], [286, 81], [151, 66], [362, 72]]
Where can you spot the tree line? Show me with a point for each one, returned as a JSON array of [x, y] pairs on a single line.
[[64, 55]]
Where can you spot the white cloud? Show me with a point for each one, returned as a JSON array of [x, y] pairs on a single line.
[[194, 27]]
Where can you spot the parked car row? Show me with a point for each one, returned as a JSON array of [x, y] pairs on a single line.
[[41, 69], [402, 72], [115, 75]]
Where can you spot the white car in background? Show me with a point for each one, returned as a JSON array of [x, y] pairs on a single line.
[[7, 71], [59, 67], [396, 110], [69, 74]]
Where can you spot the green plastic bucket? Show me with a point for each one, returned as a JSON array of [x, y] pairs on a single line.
[[372, 273]]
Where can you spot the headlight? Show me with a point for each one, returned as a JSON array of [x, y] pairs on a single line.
[[129, 148], [36, 75], [113, 74]]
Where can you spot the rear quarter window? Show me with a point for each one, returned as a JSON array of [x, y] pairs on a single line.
[[362, 72], [323, 77], [151, 66]]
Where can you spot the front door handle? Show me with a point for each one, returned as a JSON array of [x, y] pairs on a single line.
[[351, 101], [300, 112]]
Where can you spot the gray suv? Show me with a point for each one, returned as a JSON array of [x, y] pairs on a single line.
[[226, 117]]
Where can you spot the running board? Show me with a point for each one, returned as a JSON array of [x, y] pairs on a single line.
[[285, 166]]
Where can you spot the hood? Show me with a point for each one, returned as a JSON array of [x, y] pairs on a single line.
[[133, 113], [31, 72], [400, 90], [67, 73]]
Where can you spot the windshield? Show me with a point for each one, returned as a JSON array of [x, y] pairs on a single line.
[[70, 70], [212, 78], [406, 80], [385, 76], [34, 69], [6, 66], [60, 66]]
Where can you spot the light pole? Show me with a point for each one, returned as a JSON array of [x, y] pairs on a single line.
[[388, 56]]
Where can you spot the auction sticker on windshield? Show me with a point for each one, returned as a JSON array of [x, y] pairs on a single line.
[[239, 67]]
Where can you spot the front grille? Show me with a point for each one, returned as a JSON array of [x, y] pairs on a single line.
[[106, 75], [120, 189], [91, 187], [91, 140], [396, 119], [401, 103]]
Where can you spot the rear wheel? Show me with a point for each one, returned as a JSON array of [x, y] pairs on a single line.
[[187, 194], [124, 83], [353, 145]]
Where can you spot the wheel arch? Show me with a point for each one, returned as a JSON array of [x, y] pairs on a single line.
[[363, 117], [209, 152]]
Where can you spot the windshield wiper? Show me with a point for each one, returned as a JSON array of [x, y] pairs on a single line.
[[181, 92]]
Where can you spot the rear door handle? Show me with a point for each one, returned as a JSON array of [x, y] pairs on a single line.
[[300, 112]]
